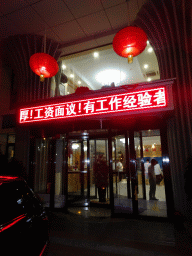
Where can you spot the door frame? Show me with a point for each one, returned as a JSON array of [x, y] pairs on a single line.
[[130, 167]]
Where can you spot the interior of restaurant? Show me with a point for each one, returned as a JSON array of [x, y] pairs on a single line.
[[102, 67]]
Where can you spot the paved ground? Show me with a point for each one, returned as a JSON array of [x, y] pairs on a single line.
[[81, 233]]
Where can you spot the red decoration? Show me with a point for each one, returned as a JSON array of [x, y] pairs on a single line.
[[43, 65], [81, 89], [130, 42]]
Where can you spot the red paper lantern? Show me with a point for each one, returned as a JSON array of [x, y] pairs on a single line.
[[130, 42], [43, 65]]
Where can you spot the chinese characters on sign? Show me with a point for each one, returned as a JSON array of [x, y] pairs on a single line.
[[138, 100]]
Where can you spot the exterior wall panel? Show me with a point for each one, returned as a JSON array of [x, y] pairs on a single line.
[[167, 24]]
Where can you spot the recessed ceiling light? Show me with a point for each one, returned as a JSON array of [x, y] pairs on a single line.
[[146, 66], [149, 79], [72, 75], [96, 54], [150, 49], [63, 66]]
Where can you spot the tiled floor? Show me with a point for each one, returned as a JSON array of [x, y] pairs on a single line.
[[146, 207], [124, 205]]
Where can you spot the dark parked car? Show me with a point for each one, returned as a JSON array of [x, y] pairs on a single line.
[[23, 220]]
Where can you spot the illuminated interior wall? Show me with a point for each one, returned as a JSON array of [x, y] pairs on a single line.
[[102, 67]]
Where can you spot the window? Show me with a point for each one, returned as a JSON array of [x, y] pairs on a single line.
[[102, 67]]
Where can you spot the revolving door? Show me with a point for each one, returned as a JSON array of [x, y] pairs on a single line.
[[81, 181]]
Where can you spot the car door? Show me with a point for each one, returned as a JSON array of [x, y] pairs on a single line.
[[36, 231], [12, 219]]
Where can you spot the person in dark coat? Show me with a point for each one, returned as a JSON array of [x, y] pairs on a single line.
[[152, 180]]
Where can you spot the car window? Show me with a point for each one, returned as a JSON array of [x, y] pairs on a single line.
[[16, 199], [10, 204]]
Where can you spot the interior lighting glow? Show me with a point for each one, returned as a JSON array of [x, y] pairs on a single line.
[[166, 160], [122, 140], [150, 49], [79, 82], [75, 146], [64, 66], [96, 54], [149, 79], [146, 66], [108, 76], [71, 75]]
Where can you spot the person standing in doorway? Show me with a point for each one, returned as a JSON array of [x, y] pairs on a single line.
[[146, 166], [152, 180], [120, 169], [158, 173]]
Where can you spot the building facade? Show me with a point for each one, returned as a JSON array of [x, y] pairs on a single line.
[[55, 152]]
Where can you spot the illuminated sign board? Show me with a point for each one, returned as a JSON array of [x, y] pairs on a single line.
[[145, 99]]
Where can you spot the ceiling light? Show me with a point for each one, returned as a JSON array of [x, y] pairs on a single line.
[[79, 82], [108, 76], [96, 54], [146, 66], [150, 49], [71, 75], [149, 79], [75, 146], [63, 66]]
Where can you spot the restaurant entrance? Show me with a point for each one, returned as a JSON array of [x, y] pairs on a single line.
[[105, 167], [116, 163]]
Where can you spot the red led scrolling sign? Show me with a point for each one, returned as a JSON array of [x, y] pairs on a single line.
[[124, 102]]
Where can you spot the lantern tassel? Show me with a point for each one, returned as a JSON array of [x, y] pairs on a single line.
[[42, 78], [130, 59]]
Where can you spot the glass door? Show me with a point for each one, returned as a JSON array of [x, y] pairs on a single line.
[[132, 188], [151, 189], [121, 174], [77, 173], [99, 172]]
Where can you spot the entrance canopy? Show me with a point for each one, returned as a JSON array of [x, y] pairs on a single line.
[[124, 100]]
